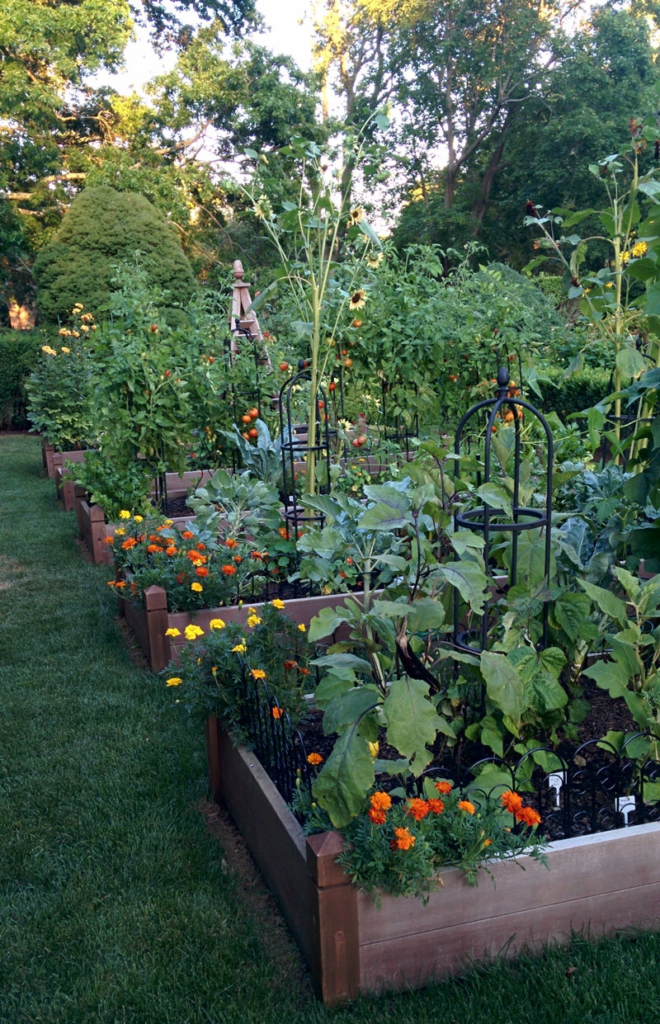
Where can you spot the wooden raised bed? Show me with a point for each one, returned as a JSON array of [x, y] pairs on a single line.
[[150, 619], [596, 884], [92, 525], [52, 458], [63, 482]]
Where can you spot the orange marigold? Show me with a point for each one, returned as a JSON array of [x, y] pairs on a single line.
[[380, 801], [231, 543], [200, 546], [130, 542], [314, 758], [187, 535], [305, 672], [417, 808], [228, 570], [465, 805], [256, 554], [195, 556], [154, 548], [528, 816], [201, 570], [171, 551], [277, 712], [443, 787], [108, 540], [404, 839], [377, 817], [237, 559], [511, 801], [283, 532], [435, 805], [290, 664]]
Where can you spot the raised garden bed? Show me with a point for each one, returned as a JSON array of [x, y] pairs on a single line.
[[93, 527], [51, 458], [150, 619], [64, 484], [596, 883]]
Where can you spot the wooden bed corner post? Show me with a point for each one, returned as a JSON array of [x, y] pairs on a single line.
[[212, 731], [155, 606], [334, 922]]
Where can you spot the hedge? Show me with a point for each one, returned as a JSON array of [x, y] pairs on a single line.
[[573, 394], [18, 355]]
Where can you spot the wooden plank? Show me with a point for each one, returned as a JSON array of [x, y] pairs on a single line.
[[273, 835], [335, 962], [584, 866], [418, 959], [322, 853]]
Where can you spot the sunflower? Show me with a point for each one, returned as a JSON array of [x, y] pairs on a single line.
[[355, 216], [375, 261], [262, 208], [357, 299]]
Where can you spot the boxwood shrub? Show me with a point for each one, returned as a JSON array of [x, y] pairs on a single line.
[[573, 394]]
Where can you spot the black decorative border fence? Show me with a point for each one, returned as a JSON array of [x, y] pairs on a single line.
[[596, 789]]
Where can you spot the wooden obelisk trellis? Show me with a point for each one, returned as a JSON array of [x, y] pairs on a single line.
[[241, 315]]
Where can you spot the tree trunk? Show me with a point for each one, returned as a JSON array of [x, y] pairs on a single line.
[[480, 205]]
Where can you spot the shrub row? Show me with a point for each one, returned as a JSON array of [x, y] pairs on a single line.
[[18, 356], [574, 394]]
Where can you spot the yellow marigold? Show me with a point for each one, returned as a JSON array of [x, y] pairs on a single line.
[[465, 805], [168, 522], [192, 632], [302, 627], [253, 620], [172, 631], [239, 649], [120, 532], [138, 519], [278, 604], [217, 624], [197, 587], [258, 673], [314, 759], [174, 681], [124, 514], [66, 350]]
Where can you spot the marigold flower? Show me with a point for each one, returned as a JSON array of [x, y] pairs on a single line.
[[108, 540], [217, 624], [302, 627], [417, 808], [192, 632], [120, 583], [200, 546], [168, 522], [511, 801], [130, 542], [256, 555], [435, 805], [277, 712], [237, 559], [376, 817], [231, 543], [467, 806], [174, 681], [187, 535], [138, 519], [283, 532], [289, 665], [404, 839], [528, 816], [172, 631], [195, 557], [65, 350], [305, 672], [278, 604], [111, 583], [124, 514], [314, 759], [197, 587], [228, 570], [120, 531], [171, 551], [253, 620], [154, 549], [488, 842], [258, 673], [380, 801], [180, 578], [239, 649], [443, 787], [201, 570]]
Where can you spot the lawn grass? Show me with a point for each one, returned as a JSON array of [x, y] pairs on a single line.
[[117, 906]]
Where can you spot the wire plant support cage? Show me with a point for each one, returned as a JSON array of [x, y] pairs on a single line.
[[486, 518], [296, 450]]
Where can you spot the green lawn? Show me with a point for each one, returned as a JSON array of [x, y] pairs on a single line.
[[117, 905]]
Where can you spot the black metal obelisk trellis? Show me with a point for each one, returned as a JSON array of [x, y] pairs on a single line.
[[487, 519], [296, 451]]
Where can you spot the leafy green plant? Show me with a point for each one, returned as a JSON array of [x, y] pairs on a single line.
[[113, 484], [60, 396], [263, 460]]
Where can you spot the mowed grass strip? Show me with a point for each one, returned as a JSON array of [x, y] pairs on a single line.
[[116, 904]]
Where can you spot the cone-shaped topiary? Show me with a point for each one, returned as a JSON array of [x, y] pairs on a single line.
[[102, 228]]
